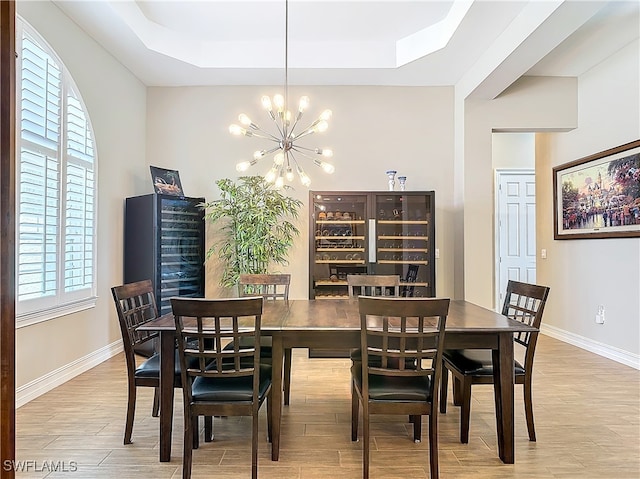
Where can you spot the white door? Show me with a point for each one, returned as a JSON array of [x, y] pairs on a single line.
[[516, 209]]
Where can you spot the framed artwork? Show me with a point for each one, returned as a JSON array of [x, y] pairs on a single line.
[[598, 196], [166, 182]]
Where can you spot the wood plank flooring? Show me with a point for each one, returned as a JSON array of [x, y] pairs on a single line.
[[587, 412]]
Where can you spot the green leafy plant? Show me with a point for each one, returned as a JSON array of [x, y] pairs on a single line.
[[254, 226]]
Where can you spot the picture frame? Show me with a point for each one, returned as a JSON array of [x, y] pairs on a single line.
[[598, 196], [166, 182]]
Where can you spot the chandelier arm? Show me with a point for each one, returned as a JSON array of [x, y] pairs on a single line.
[[272, 150], [295, 122], [280, 128], [270, 137], [297, 150], [304, 133], [304, 148], [294, 160]]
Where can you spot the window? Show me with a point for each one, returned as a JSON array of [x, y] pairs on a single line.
[[56, 190]]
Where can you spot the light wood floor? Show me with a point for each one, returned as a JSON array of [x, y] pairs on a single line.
[[587, 411]]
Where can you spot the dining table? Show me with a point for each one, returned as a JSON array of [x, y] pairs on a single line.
[[335, 324]]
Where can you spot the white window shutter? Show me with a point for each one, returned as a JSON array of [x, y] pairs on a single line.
[[56, 187]]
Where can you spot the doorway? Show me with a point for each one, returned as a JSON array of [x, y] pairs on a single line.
[[515, 229]]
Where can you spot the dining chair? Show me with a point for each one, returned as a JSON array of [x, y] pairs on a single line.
[[523, 302], [136, 305], [273, 286], [221, 381], [373, 285], [269, 286], [402, 341]]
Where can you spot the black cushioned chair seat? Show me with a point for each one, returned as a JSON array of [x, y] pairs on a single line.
[[230, 389], [475, 362], [151, 367], [395, 388]]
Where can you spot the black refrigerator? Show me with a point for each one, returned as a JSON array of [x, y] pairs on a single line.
[[164, 242]]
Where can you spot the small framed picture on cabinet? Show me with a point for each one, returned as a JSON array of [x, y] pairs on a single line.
[[166, 182]]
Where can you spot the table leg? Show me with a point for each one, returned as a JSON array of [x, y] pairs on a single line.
[[277, 354], [167, 367], [503, 379]]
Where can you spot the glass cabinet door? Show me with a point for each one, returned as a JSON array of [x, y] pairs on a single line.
[[339, 242], [404, 240], [181, 249]]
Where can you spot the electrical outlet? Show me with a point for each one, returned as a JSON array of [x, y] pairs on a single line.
[[437, 253], [600, 315]]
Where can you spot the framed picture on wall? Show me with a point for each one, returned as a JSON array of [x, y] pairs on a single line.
[[598, 196], [166, 182]]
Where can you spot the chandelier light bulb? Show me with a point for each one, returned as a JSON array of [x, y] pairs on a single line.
[[326, 115], [304, 104], [270, 177], [326, 152], [304, 179], [321, 126], [266, 103], [245, 165], [278, 159], [258, 154], [245, 120], [236, 130], [289, 174], [279, 182], [278, 101], [327, 167]]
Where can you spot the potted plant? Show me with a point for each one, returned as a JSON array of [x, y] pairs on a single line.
[[254, 226]]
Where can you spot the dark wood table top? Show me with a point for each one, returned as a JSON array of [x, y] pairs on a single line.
[[343, 314], [335, 324]]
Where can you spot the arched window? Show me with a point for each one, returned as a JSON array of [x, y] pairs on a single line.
[[55, 187]]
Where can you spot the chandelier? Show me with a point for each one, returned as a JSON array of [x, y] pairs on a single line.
[[287, 149]]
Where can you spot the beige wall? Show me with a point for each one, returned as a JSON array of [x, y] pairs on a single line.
[[583, 274], [513, 150], [373, 129], [116, 102], [532, 103]]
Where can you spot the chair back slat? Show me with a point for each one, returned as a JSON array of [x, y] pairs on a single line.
[[525, 303], [402, 337], [136, 305], [269, 286], [373, 285], [205, 326]]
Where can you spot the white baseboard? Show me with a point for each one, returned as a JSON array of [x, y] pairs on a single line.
[[601, 349], [49, 381]]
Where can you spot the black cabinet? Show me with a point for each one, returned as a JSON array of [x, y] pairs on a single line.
[[164, 242], [371, 233]]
